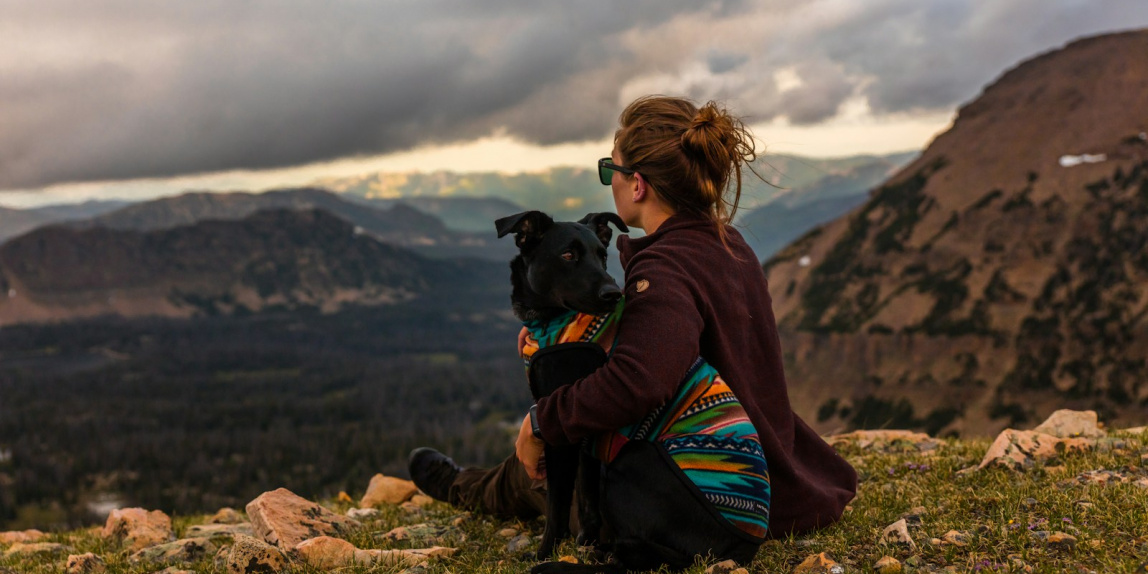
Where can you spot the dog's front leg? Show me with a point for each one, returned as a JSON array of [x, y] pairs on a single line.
[[561, 473], [589, 499]]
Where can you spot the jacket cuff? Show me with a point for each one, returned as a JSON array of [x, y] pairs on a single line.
[[546, 418]]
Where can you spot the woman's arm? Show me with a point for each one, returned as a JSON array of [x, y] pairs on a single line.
[[658, 340]]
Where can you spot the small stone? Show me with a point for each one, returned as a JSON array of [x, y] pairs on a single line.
[[914, 562], [283, 518], [387, 490], [137, 528], [185, 550], [253, 556], [344, 497], [568, 559], [1029, 502], [227, 516], [85, 564], [935, 542], [1041, 535], [1084, 504], [898, 533], [805, 543], [887, 565], [819, 564], [508, 533], [411, 508], [913, 516], [421, 500], [1067, 423], [14, 536], [173, 570], [1062, 541], [460, 519], [956, 538], [518, 543], [724, 567], [425, 531], [37, 549], [362, 513]]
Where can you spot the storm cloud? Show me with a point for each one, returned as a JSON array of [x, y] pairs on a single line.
[[119, 90]]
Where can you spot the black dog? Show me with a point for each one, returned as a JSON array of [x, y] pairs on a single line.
[[562, 267]]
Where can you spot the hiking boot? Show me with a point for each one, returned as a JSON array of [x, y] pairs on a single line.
[[433, 472]]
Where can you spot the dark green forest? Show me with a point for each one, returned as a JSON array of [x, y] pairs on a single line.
[[191, 415]]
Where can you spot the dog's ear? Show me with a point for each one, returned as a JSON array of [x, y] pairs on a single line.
[[527, 227], [599, 223]]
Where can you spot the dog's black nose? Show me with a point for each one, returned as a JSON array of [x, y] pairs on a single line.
[[610, 293]]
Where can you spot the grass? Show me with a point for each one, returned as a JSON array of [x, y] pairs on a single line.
[[999, 510]]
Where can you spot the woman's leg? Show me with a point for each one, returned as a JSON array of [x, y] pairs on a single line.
[[504, 491]]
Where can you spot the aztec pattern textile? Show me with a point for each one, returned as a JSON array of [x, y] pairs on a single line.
[[709, 436], [704, 429], [572, 327]]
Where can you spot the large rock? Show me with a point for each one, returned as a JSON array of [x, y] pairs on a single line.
[[85, 564], [387, 490], [137, 528], [1071, 424], [1019, 450], [253, 556], [183, 550], [284, 519], [226, 516], [14, 536]]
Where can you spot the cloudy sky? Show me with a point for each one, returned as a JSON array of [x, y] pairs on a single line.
[[102, 98]]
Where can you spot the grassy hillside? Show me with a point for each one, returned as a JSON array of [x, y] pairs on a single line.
[[1004, 520]]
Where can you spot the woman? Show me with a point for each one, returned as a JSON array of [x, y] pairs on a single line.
[[693, 288]]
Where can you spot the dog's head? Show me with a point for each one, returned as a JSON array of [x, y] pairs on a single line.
[[560, 265]]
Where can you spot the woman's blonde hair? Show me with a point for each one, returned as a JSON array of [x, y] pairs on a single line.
[[691, 156]]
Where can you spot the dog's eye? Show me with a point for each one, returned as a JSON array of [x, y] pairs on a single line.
[[569, 256]]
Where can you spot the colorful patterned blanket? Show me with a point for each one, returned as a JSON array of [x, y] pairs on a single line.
[[704, 428]]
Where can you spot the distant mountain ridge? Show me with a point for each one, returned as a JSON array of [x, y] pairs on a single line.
[[986, 284], [15, 222], [277, 259]]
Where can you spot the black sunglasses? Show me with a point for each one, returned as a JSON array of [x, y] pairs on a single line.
[[606, 165]]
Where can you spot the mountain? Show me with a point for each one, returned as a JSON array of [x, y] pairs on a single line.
[[569, 193], [1000, 275], [15, 222], [785, 217], [307, 260], [398, 224], [471, 214]]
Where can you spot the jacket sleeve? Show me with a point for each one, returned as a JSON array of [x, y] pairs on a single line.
[[658, 339]]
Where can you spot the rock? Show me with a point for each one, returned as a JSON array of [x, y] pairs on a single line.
[[219, 531], [725, 567], [184, 550], [1135, 430], [284, 519], [460, 519], [173, 570], [568, 559], [1020, 449], [518, 543], [898, 533], [253, 556], [38, 549], [956, 538], [819, 564], [413, 557], [1071, 424], [362, 513], [326, 553], [1062, 541], [344, 497], [1029, 502], [137, 528], [886, 440], [226, 516], [411, 508], [887, 565], [14, 536], [387, 490], [508, 533], [85, 564], [913, 516], [421, 500]]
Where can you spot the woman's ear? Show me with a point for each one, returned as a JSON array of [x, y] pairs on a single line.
[[640, 187]]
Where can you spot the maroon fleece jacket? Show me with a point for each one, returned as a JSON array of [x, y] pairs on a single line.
[[686, 296]]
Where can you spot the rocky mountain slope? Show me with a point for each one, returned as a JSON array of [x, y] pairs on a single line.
[[1002, 274], [15, 222], [278, 259]]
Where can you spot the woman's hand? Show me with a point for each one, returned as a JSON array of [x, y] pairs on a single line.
[[530, 449]]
